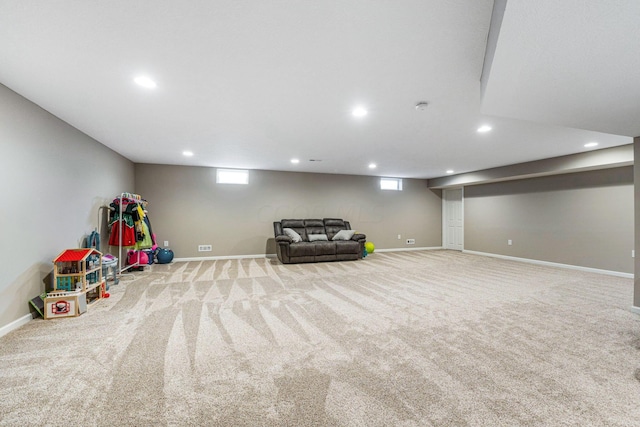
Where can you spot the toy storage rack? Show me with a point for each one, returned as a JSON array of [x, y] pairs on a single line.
[[137, 264]]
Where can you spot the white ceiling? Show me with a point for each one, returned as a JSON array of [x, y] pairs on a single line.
[[571, 63], [251, 84]]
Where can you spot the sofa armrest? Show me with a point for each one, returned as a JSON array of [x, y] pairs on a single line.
[[283, 238], [358, 237]]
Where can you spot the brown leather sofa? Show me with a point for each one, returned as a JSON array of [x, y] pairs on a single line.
[[312, 245]]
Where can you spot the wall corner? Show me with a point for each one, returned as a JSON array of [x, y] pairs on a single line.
[[636, 215]]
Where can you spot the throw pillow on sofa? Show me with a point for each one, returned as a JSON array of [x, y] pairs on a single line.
[[344, 235], [292, 233], [314, 237]]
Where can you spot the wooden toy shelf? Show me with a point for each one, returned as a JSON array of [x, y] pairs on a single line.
[[77, 283]]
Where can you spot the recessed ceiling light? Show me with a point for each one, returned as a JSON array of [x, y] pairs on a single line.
[[450, 171], [372, 166], [484, 128], [295, 160], [591, 144], [145, 81], [187, 153], [359, 112]]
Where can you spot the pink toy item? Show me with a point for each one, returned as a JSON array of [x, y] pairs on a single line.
[[132, 258]]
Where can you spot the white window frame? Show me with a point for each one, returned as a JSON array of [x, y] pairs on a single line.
[[232, 176], [392, 184]]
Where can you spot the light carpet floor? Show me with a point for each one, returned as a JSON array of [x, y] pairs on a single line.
[[425, 338]]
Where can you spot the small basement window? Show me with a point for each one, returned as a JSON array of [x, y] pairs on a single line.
[[232, 176], [391, 184]]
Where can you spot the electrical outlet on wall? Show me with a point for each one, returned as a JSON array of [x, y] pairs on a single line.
[[399, 237], [166, 243], [204, 248]]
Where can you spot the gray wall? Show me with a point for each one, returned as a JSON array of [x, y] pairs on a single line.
[[53, 179], [188, 208], [583, 219]]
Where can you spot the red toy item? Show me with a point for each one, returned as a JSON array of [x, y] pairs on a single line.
[[60, 307]]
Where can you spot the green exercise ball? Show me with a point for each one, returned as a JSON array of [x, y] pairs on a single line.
[[369, 247]]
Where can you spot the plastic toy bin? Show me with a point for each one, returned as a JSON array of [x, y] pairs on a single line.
[[112, 264]]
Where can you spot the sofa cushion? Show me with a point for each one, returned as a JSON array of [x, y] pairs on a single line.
[[296, 225], [347, 247], [325, 248], [292, 223], [295, 237], [302, 249], [344, 235], [313, 226], [316, 237], [333, 226]]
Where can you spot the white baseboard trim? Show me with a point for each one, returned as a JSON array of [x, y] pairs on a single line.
[[224, 257], [15, 324], [433, 248], [553, 264], [635, 309]]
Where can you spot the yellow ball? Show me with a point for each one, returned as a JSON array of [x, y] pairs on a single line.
[[370, 247]]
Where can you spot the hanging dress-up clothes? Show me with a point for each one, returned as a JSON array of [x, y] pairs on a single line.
[[143, 233], [148, 225], [147, 241], [126, 224]]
